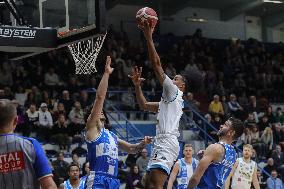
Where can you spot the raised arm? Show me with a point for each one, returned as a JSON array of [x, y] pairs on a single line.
[[228, 181], [95, 115], [142, 102], [173, 175], [134, 148], [212, 154], [153, 55]]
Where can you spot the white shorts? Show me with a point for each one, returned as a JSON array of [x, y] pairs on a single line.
[[165, 153]]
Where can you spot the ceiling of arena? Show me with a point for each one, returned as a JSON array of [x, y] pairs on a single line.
[[271, 13]]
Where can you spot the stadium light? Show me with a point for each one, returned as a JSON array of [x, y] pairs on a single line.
[[272, 1]]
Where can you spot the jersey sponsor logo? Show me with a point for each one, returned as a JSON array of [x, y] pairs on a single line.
[[12, 161]]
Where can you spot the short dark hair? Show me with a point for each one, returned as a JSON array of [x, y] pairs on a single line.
[[238, 127], [186, 85], [72, 165], [8, 112]]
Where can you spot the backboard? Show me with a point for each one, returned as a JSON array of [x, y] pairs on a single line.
[[86, 17]]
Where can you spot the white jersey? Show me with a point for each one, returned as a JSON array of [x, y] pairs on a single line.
[[166, 145], [170, 109], [242, 177]]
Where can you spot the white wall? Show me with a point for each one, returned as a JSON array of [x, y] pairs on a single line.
[[177, 24], [253, 27], [213, 28], [277, 35]]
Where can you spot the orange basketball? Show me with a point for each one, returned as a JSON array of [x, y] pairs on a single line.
[[147, 13]]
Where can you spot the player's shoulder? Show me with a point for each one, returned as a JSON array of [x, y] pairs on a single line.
[[215, 148]]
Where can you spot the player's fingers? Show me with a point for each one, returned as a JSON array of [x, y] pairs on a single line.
[[136, 70], [140, 70]]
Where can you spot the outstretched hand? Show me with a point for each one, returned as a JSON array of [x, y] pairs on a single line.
[[147, 140], [136, 76], [108, 69], [147, 28]]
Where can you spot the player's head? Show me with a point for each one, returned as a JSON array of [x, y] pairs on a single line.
[[8, 116], [73, 171], [180, 82], [188, 150], [104, 119], [232, 129], [247, 151]]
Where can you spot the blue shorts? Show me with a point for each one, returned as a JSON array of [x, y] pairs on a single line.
[[102, 182]]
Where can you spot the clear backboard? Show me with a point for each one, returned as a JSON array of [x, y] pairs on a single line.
[[85, 17]]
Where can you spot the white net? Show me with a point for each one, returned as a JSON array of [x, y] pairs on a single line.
[[85, 54]]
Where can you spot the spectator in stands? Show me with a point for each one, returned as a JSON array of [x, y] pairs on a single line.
[[84, 100], [86, 169], [6, 78], [60, 133], [133, 179], [192, 102], [128, 102], [245, 138], [225, 107], [273, 182], [279, 117], [77, 120], [216, 107], [32, 116], [142, 162], [235, 108], [45, 122], [250, 121], [68, 103], [60, 109], [60, 169], [269, 167], [263, 123], [75, 160], [37, 95], [8, 93], [266, 140], [72, 85], [261, 180], [21, 95], [270, 115], [46, 99], [30, 100], [51, 79], [278, 156]]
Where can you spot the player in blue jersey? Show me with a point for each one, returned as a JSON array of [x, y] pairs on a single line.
[[103, 144], [218, 159], [74, 181], [23, 163]]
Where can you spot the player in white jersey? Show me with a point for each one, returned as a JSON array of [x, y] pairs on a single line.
[[244, 172], [166, 146]]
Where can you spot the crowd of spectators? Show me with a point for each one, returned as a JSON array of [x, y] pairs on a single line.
[[241, 79]]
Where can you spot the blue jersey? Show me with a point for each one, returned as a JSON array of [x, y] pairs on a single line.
[[22, 162], [216, 174], [103, 154], [67, 184], [182, 177]]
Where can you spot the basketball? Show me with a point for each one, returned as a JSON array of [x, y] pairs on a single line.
[[147, 13]]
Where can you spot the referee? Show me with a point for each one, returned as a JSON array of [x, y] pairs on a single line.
[[23, 164]]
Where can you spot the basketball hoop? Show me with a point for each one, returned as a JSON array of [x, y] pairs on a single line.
[[85, 54]]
